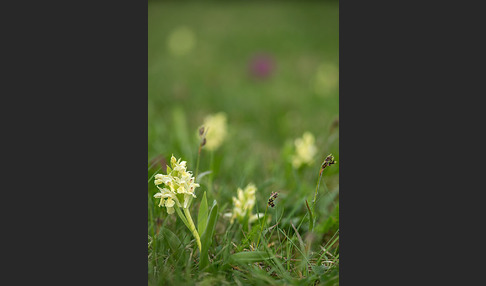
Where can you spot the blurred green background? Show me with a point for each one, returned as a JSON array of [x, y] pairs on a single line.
[[301, 93], [200, 58]]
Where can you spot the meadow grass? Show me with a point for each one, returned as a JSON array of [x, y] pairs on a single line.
[[264, 117]]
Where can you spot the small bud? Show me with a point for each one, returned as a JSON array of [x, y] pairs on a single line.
[[201, 131], [203, 142]]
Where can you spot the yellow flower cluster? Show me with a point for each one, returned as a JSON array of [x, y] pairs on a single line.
[[305, 150], [216, 130], [179, 186], [243, 204]]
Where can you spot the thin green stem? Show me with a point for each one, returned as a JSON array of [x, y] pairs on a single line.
[[181, 216], [211, 164], [261, 228], [192, 228], [197, 164], [317, 187], [201, 144]]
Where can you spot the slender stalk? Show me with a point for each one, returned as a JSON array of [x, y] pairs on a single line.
[[201, 144], [192, 228], [317, 187], [197, 164], [181, 216], [211, 164], [327, 162], [261, 229]]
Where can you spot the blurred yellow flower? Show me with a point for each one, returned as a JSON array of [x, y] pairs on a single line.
[[243, 204], [216, 130], [326, 80], [305, 150], [181, 41], [180, 186]]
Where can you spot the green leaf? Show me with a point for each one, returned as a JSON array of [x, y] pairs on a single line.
[[207, 237], [202, 217], [250, 256], [171, 239]]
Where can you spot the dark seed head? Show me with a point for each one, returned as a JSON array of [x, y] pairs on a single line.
[[328, 161], [273, 196]]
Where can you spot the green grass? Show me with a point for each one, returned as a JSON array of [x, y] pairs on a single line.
[[264, 117]]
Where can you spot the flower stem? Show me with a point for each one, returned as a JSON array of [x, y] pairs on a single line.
[[197, 164], [261, 229], [317, 187], [211, 166], [192, 228]]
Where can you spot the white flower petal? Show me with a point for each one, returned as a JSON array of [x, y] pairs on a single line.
[[178, 181], [169, 203], [161, 203]]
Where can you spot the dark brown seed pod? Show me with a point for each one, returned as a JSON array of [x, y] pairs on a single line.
[[273, 196], [327, 162]]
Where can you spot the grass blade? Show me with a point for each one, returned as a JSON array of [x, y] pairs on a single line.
[[202, 175], [311, 217], [171, 239], [249, 257]]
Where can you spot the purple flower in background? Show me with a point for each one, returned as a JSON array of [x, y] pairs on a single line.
[[262, 66]]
